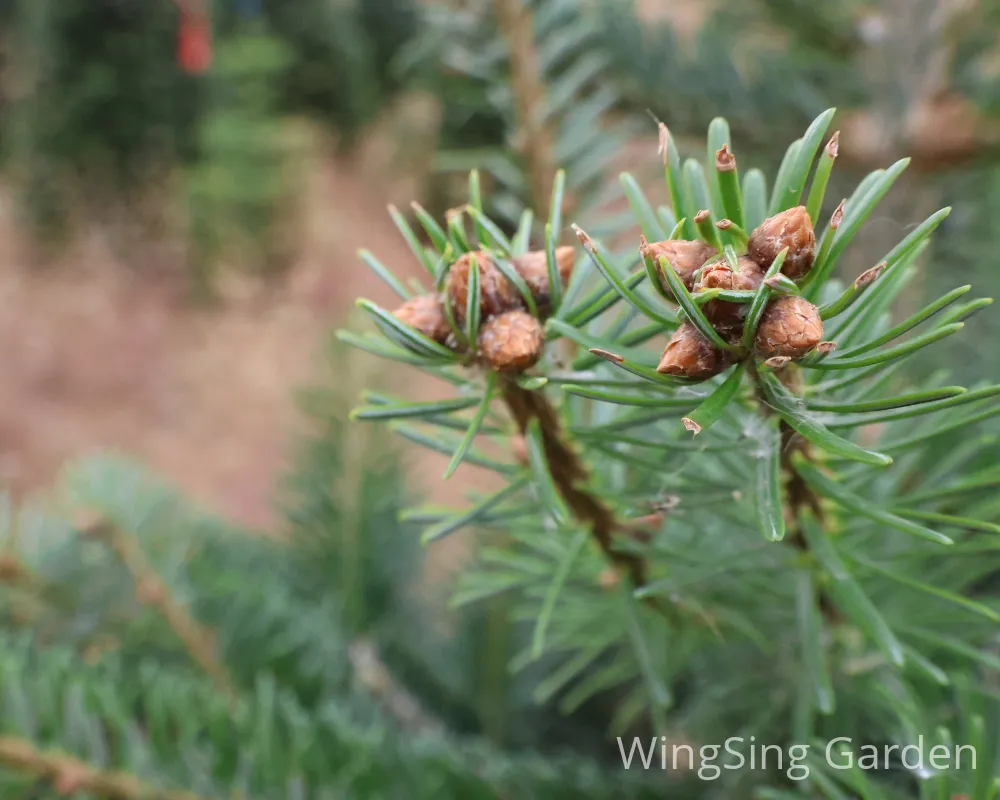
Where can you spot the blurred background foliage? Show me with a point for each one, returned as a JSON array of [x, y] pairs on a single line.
[[95, 101], [335, 636]]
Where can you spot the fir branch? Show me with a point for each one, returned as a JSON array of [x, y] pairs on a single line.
[[376, 678], [69, 775], [799, 496], [152, 590], [569, 476], [534, 139]]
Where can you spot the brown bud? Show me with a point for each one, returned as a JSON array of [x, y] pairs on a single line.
[[721, 275], [789, 327], [512, 341], [533, 267], [426, 314], [792, 229], [691, 355], [496, 292], [685, 257]]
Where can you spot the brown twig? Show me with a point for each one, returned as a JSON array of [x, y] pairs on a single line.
[[376, 678], [570, 475], [152, 590], [799, 495], [69, 775], [533, 139]]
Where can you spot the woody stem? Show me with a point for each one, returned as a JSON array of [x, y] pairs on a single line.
[[569, 476], [799, 496], [196, 639], [516, 25], [70, 775]]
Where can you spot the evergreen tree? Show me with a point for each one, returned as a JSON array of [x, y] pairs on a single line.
[[622, 583]]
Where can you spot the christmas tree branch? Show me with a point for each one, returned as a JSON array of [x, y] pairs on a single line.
[[152, 590], [69, 775], [533, 139], [569, 476], [799, 496]]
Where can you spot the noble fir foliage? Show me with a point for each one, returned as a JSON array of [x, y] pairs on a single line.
[[763, 530], [152, 651], [801, 54], [524, 87]]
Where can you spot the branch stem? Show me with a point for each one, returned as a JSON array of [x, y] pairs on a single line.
[[799, 496], [570, 476], [533, 138], [151, 589], [70, 775]]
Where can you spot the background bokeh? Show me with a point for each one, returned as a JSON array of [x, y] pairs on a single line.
[[184, 187]]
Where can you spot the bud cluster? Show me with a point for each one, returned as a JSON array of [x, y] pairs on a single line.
[[510, 338], [790, 326]]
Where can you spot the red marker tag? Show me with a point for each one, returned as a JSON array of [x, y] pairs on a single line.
[[194, 43]]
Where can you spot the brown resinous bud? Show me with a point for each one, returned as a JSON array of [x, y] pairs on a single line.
[[691, 355], [425, 313], [792, 229], [685, 257], [533, 267], [720, 275], [496, 293], [790, 326], [512, 341]]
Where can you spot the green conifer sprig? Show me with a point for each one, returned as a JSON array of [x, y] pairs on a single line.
[[536, 95], [99, 693], [816, 439], [126, 731]]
